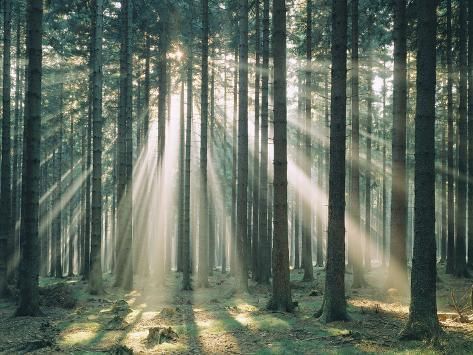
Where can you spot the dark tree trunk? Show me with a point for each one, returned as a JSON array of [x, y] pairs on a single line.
[[29, 247], [17, 140], [397, 272], [95, 277], [186, 247], [306, 206], [70, 268], [233, 250], [124, 265], [334, 304], [460, 222], [181, 189], [242, 199], [369, 243], [451, 174], [423, 322], [281, 298], [264, 245], [6, 225], [355, 233], [202, 276], [470, 135], [256, 173]]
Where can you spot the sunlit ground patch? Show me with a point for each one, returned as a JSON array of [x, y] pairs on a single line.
[[79, 334]]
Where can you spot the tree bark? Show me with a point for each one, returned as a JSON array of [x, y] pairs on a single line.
[[334, 304], [423, 322], [460, 222], [256, 164], [29, 247], [264, 245], [242, 198], [281, 298], [95, 277], [451, 174], [6, 226], [306, 206]]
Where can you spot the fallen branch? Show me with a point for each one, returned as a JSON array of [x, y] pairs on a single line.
[[462, 318]]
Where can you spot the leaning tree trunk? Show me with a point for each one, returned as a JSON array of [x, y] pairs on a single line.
[[95, 277], [281, 299], [29, 247], [423, 322], [334, 304]]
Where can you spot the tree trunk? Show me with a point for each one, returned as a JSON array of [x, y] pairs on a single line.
[[95, 277], [181, 189], [281, 299], [334, 304], [242, 200], [460, 236], [17, 141], [186, 248], [306, 206], [356, 237], [397, 272], [29, 247], [264, 245], [124, 266], [202, 275], [70, 269], [256, 173], [470, 134], [423, 322], [233, 250], [369, 243], [6, 225], [451, 174]]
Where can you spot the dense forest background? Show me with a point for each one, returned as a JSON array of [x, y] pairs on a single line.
[[300, 168]]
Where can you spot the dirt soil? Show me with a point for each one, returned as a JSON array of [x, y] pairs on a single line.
[[162, 319]]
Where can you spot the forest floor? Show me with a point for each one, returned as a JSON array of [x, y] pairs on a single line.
[[218, 320]]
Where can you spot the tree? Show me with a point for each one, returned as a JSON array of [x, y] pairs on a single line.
[[124, 265], [95, 277], [460, 222], [334, 303], [470, 133], [186, 248], [242, 198], [29, 247], [306, 208], [202, 276], [358, 278], [265, 243], [281, 299], [423, 322], [256, 164], [6, 225], [451, 175]]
